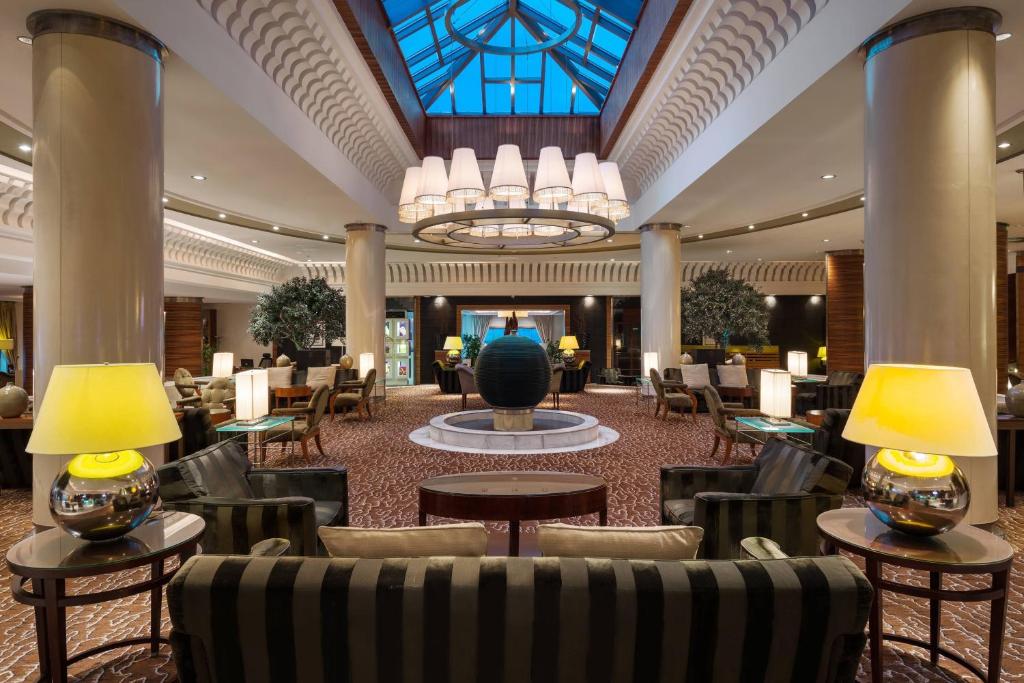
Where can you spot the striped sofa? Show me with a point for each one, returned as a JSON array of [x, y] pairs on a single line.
[[517, 620], [779, 496]]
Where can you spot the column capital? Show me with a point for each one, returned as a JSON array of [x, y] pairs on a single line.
[[47, 21], [676, 227], [366, 227], [939, 21]]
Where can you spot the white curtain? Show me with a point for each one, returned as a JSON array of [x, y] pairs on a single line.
[[545, 327], [479, 326]]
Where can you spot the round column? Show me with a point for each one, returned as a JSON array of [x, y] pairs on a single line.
[[930, 261], [660, 284], [98, 179], [364, 294]]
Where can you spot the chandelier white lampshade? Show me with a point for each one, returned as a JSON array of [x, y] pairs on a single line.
[[552, 183], [433, 185], [223, 364], [796, 361], [776, 394], [508, 180], [587, 183], [618, 207], [252, 394], [465, 182], [408, 210]]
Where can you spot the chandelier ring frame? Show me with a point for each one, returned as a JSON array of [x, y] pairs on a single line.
[[513, 50]]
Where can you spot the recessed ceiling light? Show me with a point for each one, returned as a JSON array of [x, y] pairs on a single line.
[[609, 239], [805, 214], [862, 197], [1000, 37], [27, 40], [728, 251], [327, 237], [416, 241], [255, 241], [164, 200], [687, 226], [750, 227], [222, 216], [25, 147], [198, 177], [611, 259], [825, 240], [758, 260], [276, 228], [308, 260], [829, 176], [700, 237], [1003, 145]]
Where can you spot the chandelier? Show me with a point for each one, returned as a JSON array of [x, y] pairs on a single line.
[[455, 209]]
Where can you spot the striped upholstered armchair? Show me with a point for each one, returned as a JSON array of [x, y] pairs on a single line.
[[517, 619], [779, 496], [242, 506]]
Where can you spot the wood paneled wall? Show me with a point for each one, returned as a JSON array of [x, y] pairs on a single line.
[[368, 25], [658, 24], [574, 134], [1002, 320], [1018, 352], [183, 335], [26, 337], [844, 316]]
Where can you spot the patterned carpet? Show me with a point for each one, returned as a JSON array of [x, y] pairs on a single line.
[[384, 468]]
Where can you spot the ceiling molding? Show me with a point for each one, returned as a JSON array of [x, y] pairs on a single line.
[[733, 43], [15, 202], [190, 248], [288, 40]]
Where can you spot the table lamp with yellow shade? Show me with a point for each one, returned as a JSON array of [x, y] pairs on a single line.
[[453, 345], [103, 413], [568, 346], [919, 416]]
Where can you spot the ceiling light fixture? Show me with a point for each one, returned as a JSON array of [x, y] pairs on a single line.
[[829, 176], [700, 237], [164, 200], [862, 198], [222, 216], [825, 240], [453, 207], [1003, 145], [750, 227], [327, 237], [1000, 37], [24, 147], [805, 214], [728, 251], [25, 40], [275, 228], [198, 177], [255, 241]]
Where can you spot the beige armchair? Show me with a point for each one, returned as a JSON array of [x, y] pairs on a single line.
[[185, 384], [218, 394], [467, 382], [354, 394], [672, 396], [723, 415], [307, 421]]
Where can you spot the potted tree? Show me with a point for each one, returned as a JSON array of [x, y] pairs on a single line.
[[470, 347], [302, 311], [719, 306]]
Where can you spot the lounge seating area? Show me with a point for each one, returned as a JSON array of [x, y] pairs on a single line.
[[512, 342]]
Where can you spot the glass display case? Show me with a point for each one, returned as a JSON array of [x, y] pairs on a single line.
[[399, 354]]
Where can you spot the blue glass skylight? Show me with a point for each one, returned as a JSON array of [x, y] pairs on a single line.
[[571, 78]]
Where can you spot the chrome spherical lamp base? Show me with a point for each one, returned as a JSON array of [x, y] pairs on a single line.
[[103, 496], [916, 493]]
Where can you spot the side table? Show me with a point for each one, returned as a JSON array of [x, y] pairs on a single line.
[[1011, 425], [964, 550], [48, 559]]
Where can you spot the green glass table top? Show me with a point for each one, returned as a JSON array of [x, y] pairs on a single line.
[[263, 425], [762, 425]]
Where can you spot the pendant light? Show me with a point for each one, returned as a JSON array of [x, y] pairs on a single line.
[[508, 181], [465, 181], [552, 183], [433, 185], [408, 210], [618, 207], [587, 184]]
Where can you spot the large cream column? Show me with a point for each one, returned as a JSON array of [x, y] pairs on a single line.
[[660, 283], [98, 173], [929, 255], [364, 293]]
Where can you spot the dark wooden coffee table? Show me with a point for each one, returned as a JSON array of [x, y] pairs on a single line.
[[513, 496]]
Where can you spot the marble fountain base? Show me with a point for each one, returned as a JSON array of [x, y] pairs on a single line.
[[554, 431]]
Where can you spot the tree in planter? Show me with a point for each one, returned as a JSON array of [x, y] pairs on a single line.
[[300, 311], [719, 306], [470, 347]]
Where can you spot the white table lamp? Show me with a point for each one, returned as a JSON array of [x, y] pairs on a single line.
[[252, 395], [776, 394], [223, 364], [365, 363], [796, 361]]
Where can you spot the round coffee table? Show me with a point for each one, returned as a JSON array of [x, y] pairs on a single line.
[[964, 550], [48, 559], [513, 497]]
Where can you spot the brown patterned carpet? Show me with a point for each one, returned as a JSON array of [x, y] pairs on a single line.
[[384, 467]]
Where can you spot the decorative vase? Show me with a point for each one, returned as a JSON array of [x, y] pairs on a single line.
[[13, 401], [1014, 399], [346, 362], [686, 359], [739, 359], [283, 361]]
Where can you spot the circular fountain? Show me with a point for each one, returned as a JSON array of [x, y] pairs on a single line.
[[513, 376]]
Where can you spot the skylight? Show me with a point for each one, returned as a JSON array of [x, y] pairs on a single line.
[[571, 78]]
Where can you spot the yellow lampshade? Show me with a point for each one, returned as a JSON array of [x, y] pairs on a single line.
[[453, 343], [927, 409], [102, 409], [223, 364], [105, 465], [6, 344], [568, 343], [821, 352]]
